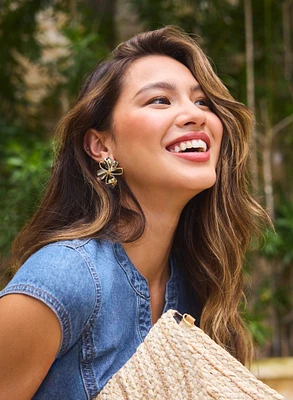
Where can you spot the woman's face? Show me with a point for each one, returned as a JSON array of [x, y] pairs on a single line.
[[167, 139]]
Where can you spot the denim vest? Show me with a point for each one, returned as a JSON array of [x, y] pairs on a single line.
[[103, 305]]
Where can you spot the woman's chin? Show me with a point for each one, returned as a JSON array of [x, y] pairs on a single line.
[[200, 183]]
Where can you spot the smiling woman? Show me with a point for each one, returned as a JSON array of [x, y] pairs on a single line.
[[161, 108], [113, 246]]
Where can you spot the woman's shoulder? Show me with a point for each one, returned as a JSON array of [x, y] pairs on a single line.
[[85, 249], [64, 276], [75, 255], [68, 265]]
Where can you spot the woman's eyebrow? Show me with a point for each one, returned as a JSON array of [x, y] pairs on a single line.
[[156, 85], [166, 86]]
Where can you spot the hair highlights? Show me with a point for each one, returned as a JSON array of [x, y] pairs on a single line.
[[216, 226]]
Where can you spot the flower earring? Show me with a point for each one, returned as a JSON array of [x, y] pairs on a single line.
[[108, 169]]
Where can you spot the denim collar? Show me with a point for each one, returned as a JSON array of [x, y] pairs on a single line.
[[138, 282]]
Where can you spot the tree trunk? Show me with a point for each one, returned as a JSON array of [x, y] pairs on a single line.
[[267, 161], [250, 87], [287, 45]]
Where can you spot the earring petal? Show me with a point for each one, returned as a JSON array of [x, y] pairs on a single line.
[[112, 181], [101, 173], [114, 165], [118, 171], [108, 163]]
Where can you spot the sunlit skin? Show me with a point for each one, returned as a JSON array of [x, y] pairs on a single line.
[[161, 105]]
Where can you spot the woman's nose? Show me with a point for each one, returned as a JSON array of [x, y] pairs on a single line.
[[190, 114]]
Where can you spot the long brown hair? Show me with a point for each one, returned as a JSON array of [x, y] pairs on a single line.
[[216, 226]]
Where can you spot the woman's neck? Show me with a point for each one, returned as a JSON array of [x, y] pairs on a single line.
[[150, 253]]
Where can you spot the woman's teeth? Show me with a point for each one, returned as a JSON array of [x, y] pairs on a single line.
[[197, 144]]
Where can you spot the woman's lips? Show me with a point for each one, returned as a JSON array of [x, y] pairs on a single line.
[[194, 156], [199, 141]]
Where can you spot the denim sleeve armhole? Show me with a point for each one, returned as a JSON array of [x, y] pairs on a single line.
[[53, 304], [61, 289]]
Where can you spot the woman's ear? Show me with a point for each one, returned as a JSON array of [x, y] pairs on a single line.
[[97, 145]]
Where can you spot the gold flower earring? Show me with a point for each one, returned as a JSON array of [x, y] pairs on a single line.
[[108, 169]]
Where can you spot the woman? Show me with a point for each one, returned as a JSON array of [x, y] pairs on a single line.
[[113, 246]]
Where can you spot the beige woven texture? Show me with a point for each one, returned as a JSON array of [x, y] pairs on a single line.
[[180, 362]]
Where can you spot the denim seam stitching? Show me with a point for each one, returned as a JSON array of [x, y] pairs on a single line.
[[128, 278], [75, 244], [138, 320], [86, 365], [97, 284]]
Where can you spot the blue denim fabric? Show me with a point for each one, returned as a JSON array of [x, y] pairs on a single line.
[[103, 305]]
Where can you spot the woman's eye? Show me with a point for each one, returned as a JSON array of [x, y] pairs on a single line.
[[159, 100], [202, 103]]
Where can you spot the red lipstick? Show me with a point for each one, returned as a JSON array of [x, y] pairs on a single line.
[[195, 156], [190, 136]]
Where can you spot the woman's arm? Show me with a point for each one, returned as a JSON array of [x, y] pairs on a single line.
[[30, 336]]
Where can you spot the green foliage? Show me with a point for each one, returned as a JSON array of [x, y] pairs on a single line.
[[17, 36], [24, 170], [279, 244], [25, 151], [84, 50], [269, 315], [90, 33], [259, 330]]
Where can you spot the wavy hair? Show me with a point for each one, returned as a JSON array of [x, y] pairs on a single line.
[[215, 227]]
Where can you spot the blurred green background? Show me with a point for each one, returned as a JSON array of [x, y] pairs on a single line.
[[48, 47]]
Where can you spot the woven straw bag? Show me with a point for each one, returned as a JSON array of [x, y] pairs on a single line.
[[178, 361]]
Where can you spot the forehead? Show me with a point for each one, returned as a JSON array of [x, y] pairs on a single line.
[[156, 68]]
